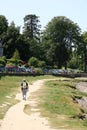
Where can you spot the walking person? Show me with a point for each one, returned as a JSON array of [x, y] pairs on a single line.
[[24, 88]]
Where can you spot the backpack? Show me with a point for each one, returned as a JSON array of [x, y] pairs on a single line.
[[24, 85]]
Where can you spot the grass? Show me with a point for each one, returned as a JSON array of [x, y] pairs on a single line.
[[57, 104], [8, 88]]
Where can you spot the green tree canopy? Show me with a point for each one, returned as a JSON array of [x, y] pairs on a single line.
[[3, 24], [9, 40], [31, 26], [82, 50], [58, 38]]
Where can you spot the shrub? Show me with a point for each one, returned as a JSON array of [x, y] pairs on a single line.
[[2, 62], [33, 61], [38, 71], [41, 64], [14, 61]]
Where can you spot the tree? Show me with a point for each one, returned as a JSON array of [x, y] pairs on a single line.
[[31, 26], [3, 27], [82, 50], [16, 57], [58, 39], [73, 63], [3, 24], [9, 40], [3, 61], [32, 34], [22, 45], [34, 49]]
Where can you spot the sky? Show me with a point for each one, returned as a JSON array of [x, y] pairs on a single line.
[[16, 10]]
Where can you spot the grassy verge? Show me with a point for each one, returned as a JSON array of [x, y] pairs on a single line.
[[56, 102]]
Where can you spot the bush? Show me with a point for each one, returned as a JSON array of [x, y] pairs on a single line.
[[33, 61], [2, 62], [41, 64], [73, 63], [38, 71], [13, 61]]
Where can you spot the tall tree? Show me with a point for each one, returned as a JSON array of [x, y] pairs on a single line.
[[16, 57], [3, 27], [3, 24], [58, 38], [9, 40], [31, 26], [22, 45], [82, 50]]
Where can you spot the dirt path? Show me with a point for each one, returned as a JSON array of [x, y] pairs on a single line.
[[16, 119]]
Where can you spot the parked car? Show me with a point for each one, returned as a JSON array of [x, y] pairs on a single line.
[[2, 68], [11, 68], [22, 69]]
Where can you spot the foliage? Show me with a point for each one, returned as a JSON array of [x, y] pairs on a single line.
[[58, 37], [73, 63], [83, 50], [54, 45], [34, 48], [33, 61], [16, 55], [9, 40], [41, 63], [13, 62], [16, 58], [3, 61], [22, 45], [31, 26], [38, 71], [3, 24]]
